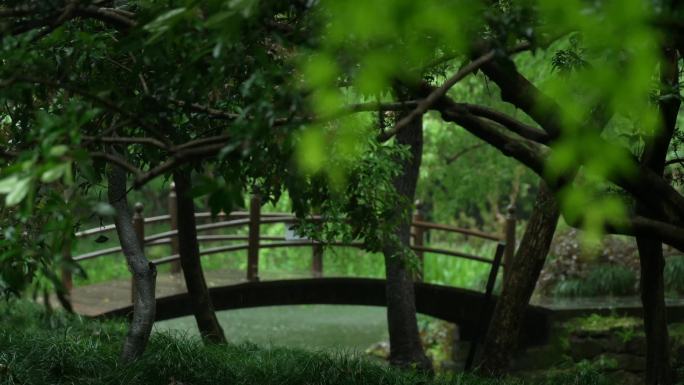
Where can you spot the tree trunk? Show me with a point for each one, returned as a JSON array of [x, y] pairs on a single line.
[[504, 331], [406, 349], [188, 248], [144, 272], [658, 366]]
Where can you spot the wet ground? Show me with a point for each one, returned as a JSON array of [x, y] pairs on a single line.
[[315, 327]]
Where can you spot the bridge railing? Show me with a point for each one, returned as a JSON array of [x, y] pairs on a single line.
[[254, 241]]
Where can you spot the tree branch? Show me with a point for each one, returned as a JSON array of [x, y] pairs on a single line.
[[125, 140], [176, 160], [19, 11], [196, 107], [11, 155], [218, 139], [520, 92], [376, 106], [120, 20], [637, 225], [117, 161], [679, 161], [530, 153], [453, 158], [509, 122], [436, 94]]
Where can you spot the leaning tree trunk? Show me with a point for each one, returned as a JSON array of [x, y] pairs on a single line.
[[521, 278], [406, 349], [658, 366], [144, 272], [188, 248]]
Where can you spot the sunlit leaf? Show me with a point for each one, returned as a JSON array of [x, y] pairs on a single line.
[[8, 184], [311, 150], [57, 151], [104, 209], [53, 173], [18, 192]]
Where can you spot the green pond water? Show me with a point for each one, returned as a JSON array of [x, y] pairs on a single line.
[[315, 327]]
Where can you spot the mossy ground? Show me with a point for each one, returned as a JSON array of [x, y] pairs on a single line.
[[597, 323]]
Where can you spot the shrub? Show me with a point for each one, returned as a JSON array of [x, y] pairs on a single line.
[[601, 280], [606, 269]]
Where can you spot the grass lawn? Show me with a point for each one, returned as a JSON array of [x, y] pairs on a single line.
[[37, 349]]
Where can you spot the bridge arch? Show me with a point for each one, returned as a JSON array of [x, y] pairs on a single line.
[[451, 304]]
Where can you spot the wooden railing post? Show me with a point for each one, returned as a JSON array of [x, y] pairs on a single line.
[[418, 238], [139, 226], [509, 237], [253, 238], [173, 220], [317, 257], [485, 307]]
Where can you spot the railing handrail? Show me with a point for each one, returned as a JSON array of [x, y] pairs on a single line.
[[272, 245], [164, 241], [276, 218], [241, 218], [456, 229], [245, 246], [166, 217], [205, 239]]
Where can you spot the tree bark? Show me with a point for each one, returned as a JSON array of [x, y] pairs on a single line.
[[658, 366], [144, 272], [188, 248], [406, 349], [504, 331]]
